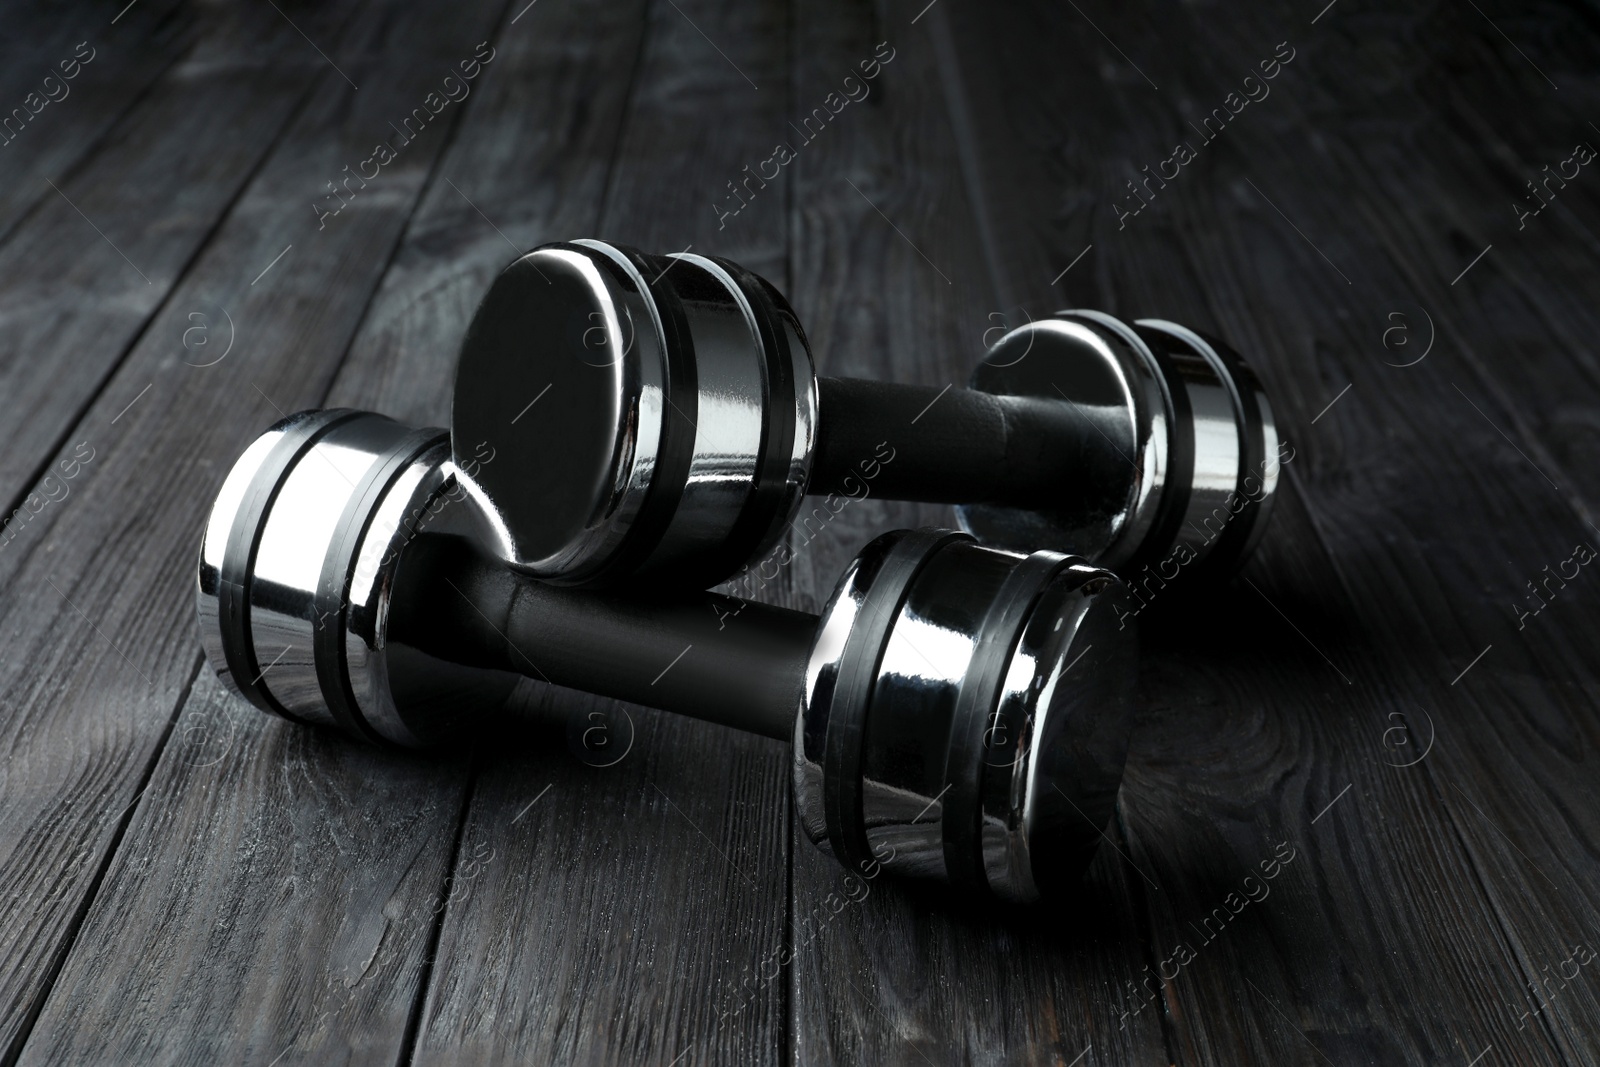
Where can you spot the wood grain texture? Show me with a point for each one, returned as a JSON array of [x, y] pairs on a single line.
[[270, 903], [528, 165], [892, 282], [182, 880], [633, 896], [1371, 558], [84, 718], [338, 930], [85, 278], [74, 115]]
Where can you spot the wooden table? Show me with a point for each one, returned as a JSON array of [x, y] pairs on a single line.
[[1391, 710]]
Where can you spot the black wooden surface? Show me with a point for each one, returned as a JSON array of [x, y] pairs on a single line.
[[1370, 709]]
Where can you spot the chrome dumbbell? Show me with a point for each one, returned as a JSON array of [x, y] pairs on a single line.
[[957, 711], [659, 416]]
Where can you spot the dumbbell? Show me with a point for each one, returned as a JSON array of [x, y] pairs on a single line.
[[659, 416], [957, 711]]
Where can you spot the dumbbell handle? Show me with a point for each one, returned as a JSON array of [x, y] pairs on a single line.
[[689, 424], [957, 711], [948, 445], [738, 663]]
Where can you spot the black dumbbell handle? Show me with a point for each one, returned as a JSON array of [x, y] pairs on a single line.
[[689, 424], [943, 674], [738, 663], [950, 445]]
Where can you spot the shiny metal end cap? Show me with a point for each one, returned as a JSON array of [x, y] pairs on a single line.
[[563, 380], [967, 715], [297, 564]]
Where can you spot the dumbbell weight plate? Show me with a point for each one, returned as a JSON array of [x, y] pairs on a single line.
[[296, 569], [1236, 462], [959, 712], [966, 715], [634, 422], [1175, 429]]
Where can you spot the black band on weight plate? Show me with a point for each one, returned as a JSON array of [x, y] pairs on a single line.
[[244, 539], [852, 693], [332, 603], [1179, 480], [976, 703], [682, 392], [1244, 391], [769, 494]]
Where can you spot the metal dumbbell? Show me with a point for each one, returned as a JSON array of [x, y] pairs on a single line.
[[660, 416], [957, 711]]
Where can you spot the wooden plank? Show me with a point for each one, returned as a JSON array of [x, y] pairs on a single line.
[[529, 165], [892, 281], [279, 952], [101, 253], [1418, 889], [1406, 924], [271, 901], [624, 903], [1507, 774], [48, 128], [76, 305], [1528, 294], [401, 362]]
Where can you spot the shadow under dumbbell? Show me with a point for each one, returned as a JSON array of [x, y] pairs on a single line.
[[608, 748], [1245, 618]]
